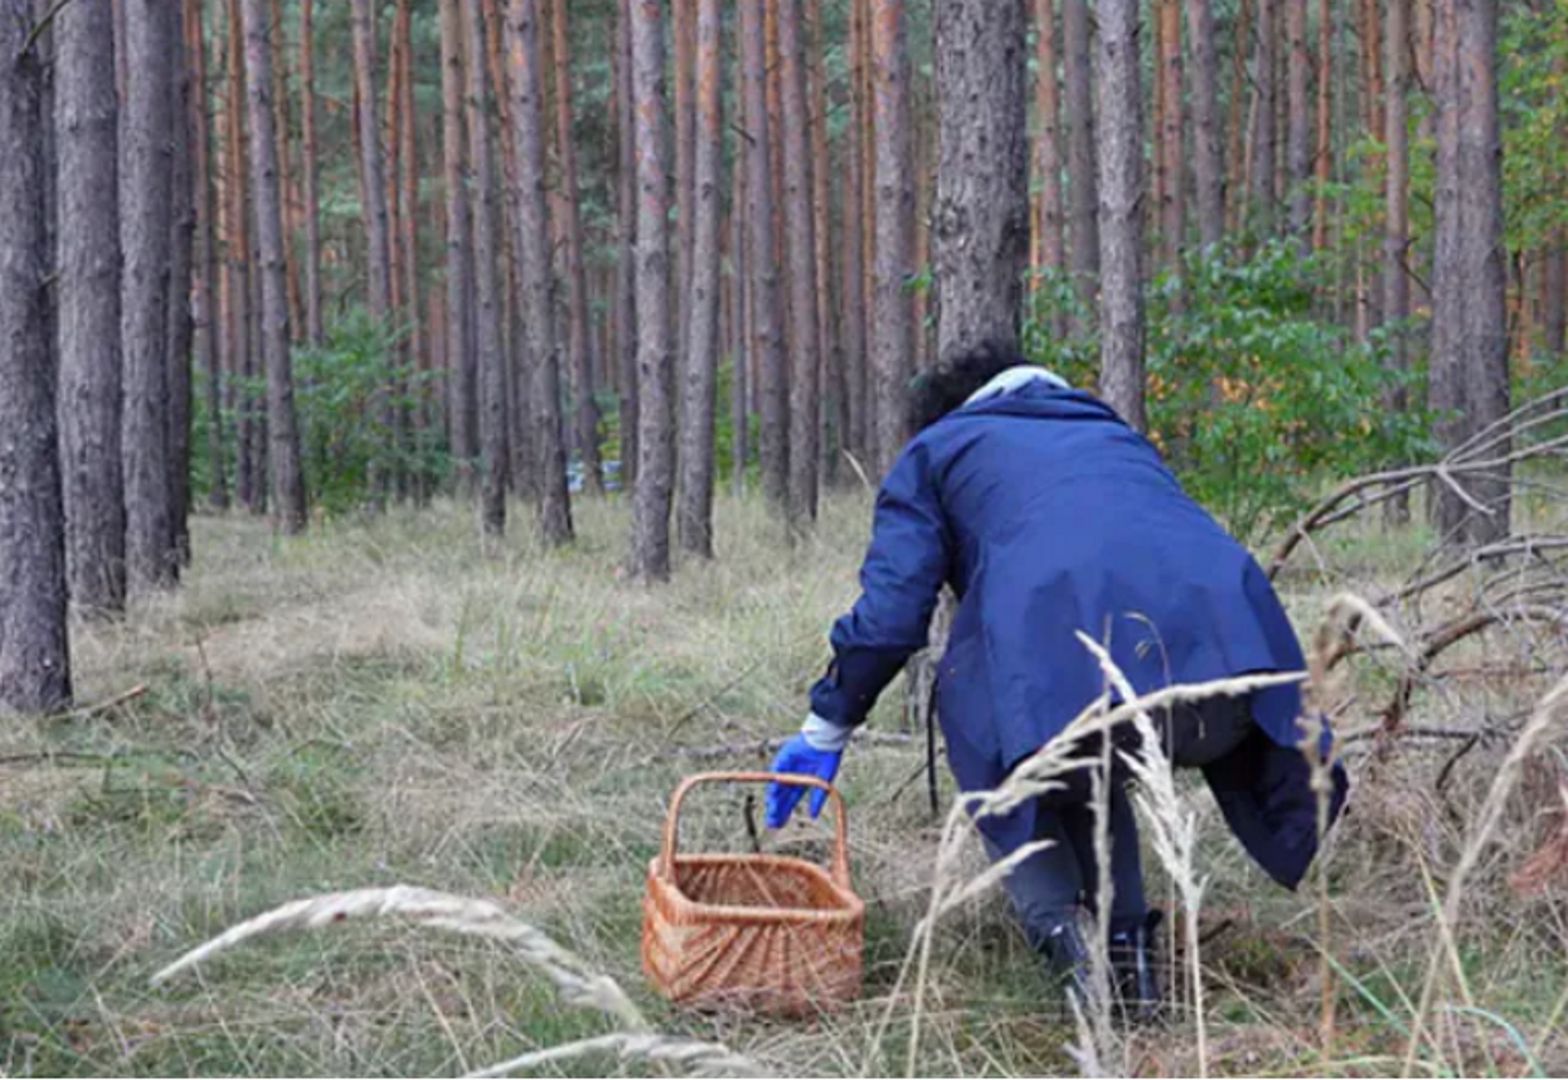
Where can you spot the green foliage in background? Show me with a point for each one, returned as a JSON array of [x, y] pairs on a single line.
[[1255, 403], [346, 393]]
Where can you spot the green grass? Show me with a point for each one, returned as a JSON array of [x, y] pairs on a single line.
[[380, 702]]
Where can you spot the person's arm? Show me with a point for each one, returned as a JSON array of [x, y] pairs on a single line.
[[902, 575], [901, 578]]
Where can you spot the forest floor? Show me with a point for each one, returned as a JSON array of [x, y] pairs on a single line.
[[379, 702]]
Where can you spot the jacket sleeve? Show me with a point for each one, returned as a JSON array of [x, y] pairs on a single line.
[[902, 575]]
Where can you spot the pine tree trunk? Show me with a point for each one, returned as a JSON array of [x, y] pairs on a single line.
[[1173, 196], [491, 360], [416, 414], [626, 315], [1298, 133], [462, 374], [1469, 378], [683, 43], [255, 372], [373, 198], [88, 312], [1047, 256], [1078, 87], [740, 326], [35, 662], [1323, 157], [980, 227], [1261, 167], [1121, 220], [209, 326], [314, 332], [1208, 162], [237, 248], [656, 435], [579, 342], [1396, 233], [288, 177], [1237, 144], [767, 343], [179, 327], [834, 411], [146, 128], [852, 264], [694, 517], [401, 354], [891, 334], [283, 453], [532, 240], [800, 231]]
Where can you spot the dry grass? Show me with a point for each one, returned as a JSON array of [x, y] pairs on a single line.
[[378, 703]]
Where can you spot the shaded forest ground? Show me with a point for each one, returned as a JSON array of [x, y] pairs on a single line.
[[377, 703]]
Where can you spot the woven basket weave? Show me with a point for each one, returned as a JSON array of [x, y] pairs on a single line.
[[761, 933]]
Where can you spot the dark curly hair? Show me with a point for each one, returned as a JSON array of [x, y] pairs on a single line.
[[948, 385]]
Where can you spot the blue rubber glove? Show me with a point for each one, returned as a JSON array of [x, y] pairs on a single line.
[[799, 756]]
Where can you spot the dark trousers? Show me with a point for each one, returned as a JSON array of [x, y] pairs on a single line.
[[1049, 887]]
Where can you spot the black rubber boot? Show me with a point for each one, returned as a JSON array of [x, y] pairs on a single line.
[[1135, 969], [1067, 958]]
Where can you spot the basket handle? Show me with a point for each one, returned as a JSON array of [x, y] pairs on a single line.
[[840, 867]]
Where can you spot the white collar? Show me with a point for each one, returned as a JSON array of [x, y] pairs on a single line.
[[1014, 377]]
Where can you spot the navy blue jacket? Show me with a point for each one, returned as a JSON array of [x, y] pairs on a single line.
[[1048, 515]]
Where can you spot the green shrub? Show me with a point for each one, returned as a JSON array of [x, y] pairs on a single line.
[[1255, 403]]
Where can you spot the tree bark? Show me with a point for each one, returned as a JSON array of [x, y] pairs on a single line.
[[800, 231], [1237, 144], [767, 343], [1078, 86], [145, 209], [288, 177], [1121, 221], [1298, 133], [1469, 379], [237, 249], [373, 197], [314, 332], [834, 410], [406, 188], [695, 514], [579, 341], [288, 480], [854, 222], [532, 231], [1396, 219], [1261, 168], [462, 376], [88, 307], [35, 662], [656, 435], [1173, 193], [626, 316], [892, 333], [980, 227], [1208, 162], [491, 361], [1047, 255], [740, 328], [179, 328], [683, 43], [1323, 158], [209, 326]]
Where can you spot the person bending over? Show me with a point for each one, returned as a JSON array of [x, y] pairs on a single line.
[[1048, 515]]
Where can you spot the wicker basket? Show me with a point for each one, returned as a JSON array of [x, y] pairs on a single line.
[[761, 933]]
